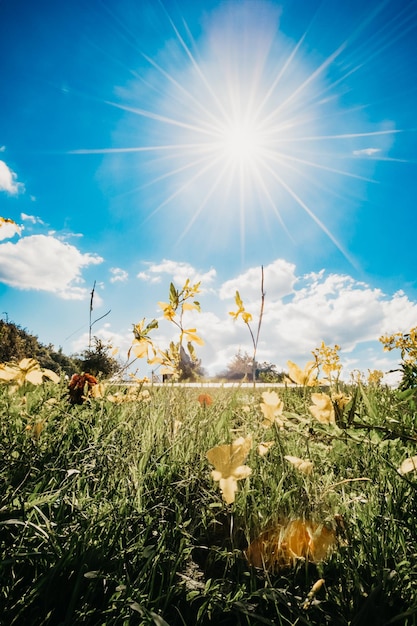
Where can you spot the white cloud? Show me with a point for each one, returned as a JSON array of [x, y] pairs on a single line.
[[178, 272], [33, 219], [300, 312], [279, 280], [8, 229], [118, 275], [8, 180], [367, 151], [117, 340], [44, 263]]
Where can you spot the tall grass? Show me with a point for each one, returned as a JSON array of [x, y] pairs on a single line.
[[109, 514]]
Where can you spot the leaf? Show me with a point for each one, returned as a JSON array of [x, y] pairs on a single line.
[[173, 296]]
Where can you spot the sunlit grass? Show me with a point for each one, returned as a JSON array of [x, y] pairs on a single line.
[[109, 513]]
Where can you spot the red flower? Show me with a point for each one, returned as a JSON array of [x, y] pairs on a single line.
[[79, 387]]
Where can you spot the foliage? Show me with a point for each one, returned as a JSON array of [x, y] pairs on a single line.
[[239, 368], [112, 513], [17, 344], [266, 372], [97, 359]]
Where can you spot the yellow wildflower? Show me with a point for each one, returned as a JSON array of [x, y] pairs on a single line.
[[228, 461], [264, 447], [408, 465], [322, 408], [303, 465], [27, 370], [272, 407], [306, 377], [191, 335], [169, 312]]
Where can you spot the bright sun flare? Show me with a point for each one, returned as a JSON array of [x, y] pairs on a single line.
[[250, 126], [241, 142]]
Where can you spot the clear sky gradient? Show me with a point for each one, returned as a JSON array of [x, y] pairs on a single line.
[[144, 142]]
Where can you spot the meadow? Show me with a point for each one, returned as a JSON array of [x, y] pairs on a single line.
[[183, 506]]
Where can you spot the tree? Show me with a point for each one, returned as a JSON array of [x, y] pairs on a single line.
[[17, 344], [97, 360], [239, 367], [267, 373]]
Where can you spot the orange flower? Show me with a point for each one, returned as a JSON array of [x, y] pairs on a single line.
[[205, 400], [282, 545], [80, 386]]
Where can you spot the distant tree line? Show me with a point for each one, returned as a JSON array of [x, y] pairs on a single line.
[[17, 343], [240, 367]]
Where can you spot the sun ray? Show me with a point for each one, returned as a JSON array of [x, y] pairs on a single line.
[[188, 183], [313, 216], [244, 119], [203, 204], [317, 72]]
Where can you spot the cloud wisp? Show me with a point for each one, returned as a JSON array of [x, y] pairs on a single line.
[[44, 263]]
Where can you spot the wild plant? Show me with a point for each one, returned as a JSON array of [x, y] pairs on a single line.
[[174, 362]]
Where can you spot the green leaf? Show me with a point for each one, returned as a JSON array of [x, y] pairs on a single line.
[[173, 296], [153, 324], [238, 300]]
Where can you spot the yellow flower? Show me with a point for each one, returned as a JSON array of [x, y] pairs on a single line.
[[303, 465], [190, 306], [272, 407], [375, 377], [191, 335], [322, 408], [408, 465], [228, 461], [340, 400], [328, 358], [140, 348], [247, 317], [169, 311], [264, 447], [306, 377], [27, 370], [282, 545]]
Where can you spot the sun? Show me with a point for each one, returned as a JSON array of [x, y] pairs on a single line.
[[241, 142], [244, 124]]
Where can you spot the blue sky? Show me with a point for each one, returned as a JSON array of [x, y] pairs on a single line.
[[144, 142]]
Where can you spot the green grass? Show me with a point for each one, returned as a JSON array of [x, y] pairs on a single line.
[[108, 518]]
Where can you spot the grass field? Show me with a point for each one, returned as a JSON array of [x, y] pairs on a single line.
[[109, 513]]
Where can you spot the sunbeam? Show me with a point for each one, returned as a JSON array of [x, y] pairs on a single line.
[[246, 121]]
